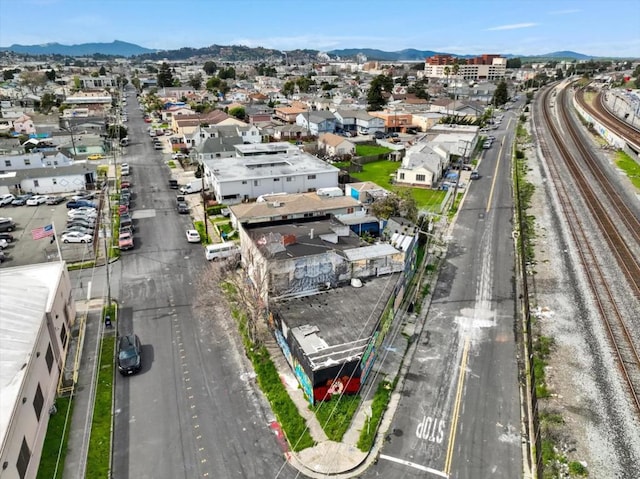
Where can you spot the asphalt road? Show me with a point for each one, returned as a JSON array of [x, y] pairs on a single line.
[[193, 410], [459, 415]]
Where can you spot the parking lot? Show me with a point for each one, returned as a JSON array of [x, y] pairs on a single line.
[[24, 250]]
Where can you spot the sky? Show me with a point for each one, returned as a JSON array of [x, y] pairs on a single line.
[[519, 27]]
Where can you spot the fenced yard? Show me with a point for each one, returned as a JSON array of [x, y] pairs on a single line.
[[381, 173]]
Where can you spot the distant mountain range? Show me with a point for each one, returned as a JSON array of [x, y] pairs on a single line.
[[115, 48], [239, 53]]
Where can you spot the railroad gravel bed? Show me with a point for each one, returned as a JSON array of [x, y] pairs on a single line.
[[587, 391]]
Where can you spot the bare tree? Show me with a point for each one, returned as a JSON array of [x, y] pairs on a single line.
[[245, 287], [33, 80]]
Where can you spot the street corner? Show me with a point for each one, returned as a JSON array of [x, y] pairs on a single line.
[[328, 457]]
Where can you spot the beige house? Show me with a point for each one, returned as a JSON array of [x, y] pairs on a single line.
[[336, 145]]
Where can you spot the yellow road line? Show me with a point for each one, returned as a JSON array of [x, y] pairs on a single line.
[[495, 171], [456, 408]]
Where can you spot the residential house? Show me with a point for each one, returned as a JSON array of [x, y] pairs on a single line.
[[365, 192], [176, 111], [394, 120], [288, 114], [184, 125], [292, 206], [424, 121], [358, 121], [317, 122], [24, 125], [289, 132], [245, 178], [422, 166], [335, 145]]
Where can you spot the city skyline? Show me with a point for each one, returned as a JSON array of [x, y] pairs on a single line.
[[461, 27]]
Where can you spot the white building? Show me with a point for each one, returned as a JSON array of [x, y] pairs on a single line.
[[245, 178], [37, 312], [494, 71]]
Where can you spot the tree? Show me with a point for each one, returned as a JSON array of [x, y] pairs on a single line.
[[33, 80], [396, 204], [559, 74], [225, 73], [51, 75], [238, 112], [117, 131], [165, 77], [210, 68], [513, 63], [47, 101], [501, 95], [375, 98], [8, 74], [135, 81], [447, 72], [102, 71], [304, 84], [288, 88], [195, 81]]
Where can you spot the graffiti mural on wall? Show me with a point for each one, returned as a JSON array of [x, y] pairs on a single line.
[[341, 385], [309, 273], [284, 347], [304, 380], [368, 357]]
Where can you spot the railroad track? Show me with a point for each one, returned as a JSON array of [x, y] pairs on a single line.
[[602, 113], [624, 348]]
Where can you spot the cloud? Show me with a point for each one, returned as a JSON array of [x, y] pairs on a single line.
[[565, 12], [513, 26]]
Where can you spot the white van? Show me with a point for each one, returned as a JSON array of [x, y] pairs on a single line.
[[221, 251]]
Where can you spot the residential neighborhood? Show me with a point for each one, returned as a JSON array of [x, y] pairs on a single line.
[[314, 185]]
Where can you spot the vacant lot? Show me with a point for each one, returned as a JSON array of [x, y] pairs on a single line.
[[371, 150]]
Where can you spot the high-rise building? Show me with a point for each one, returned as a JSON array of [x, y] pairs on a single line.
[[484, 67]]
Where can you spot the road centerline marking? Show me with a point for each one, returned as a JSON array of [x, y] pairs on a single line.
[[495, 171], [456, 408]]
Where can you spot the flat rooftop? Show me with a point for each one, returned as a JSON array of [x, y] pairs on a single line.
[[248, 168], [334, 326], [291, 204], [312, 237]]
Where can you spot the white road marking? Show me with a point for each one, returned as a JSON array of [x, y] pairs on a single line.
[[414, 465]]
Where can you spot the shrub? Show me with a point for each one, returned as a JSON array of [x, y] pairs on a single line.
[[204, 237], [378, 406], [577, 469], [214, 210], [335, 415], [171, 164]]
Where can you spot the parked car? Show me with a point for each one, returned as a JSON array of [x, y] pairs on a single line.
[[3, 243], [193, 236], [379, 135], [54, 200], [83, 213], [76, 237], [125, 240], [7, 237], [21, 200], [84, 222], [125, 229], [6, 199], [182, 207], [79, 229], [83, 196], [475, 175], [129, 354], [126, 221], [173, 184], [177, 156], [7, 224], [79, 204], [36, 200], [125, 184]]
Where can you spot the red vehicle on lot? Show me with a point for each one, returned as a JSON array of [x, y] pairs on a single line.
[[123, 209], [125, 184], [125, 241]]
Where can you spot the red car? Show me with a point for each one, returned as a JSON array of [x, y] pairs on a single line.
[[125, 184]]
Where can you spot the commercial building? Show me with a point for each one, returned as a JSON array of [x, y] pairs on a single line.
[[484, 67], [36, 315]]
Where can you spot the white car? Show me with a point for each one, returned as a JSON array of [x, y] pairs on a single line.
[[84, 211], [3, 243], [6, 199], [76, 237], [193, 236], [36, 200]]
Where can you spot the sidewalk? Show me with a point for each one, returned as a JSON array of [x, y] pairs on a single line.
[[88, 340], [344, 459]]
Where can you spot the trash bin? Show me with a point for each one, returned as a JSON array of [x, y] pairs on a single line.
[[107, 321]]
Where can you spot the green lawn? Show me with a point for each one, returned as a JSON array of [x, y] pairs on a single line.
[[54, 442], [335, 415], [371, 150], [379, 172], [630, 167], [98, 457]]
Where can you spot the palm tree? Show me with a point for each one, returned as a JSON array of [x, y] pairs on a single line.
[[455, 70], [447, 71]]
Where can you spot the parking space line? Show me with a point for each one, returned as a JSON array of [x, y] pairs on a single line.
[[414, 465]]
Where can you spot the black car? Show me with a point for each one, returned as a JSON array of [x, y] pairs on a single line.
[[182, 208], [173, 184], [7, 224], [379, 135], [129, 354], [80, 204], [6, 236]]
